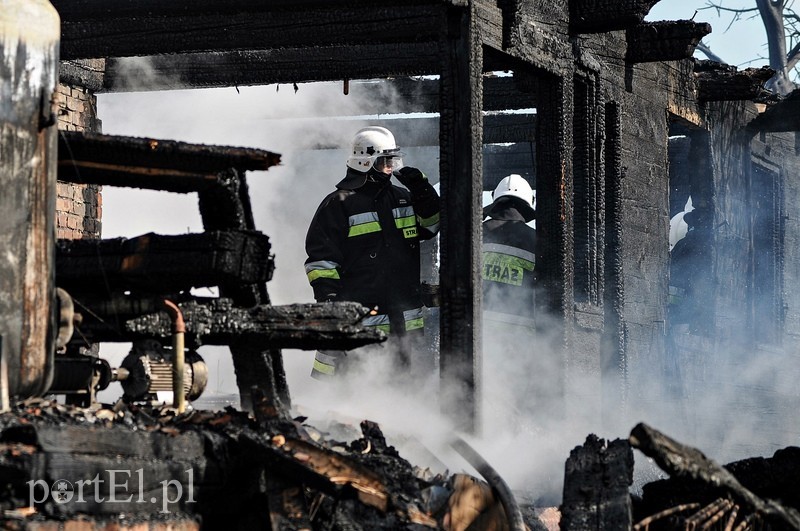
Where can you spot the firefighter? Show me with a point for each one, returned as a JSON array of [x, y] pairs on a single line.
[[509, 254], [363, 244], [509, 281]]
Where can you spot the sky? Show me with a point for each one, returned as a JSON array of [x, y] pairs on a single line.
[[284, 198]]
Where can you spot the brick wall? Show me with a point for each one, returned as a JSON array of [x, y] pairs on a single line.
[[79, 207]]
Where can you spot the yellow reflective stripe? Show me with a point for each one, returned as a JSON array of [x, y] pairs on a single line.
[[322, 273], [503, 268], [415, 324], [323, 368], [364, 228], [429, 222], [408, 221]]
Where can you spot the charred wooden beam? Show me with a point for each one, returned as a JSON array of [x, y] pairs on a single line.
[[154, 263], [265, 67], [151, 163], [597, 480], [220, 322], [88, 73], [716, 82], [683, 461], [779, 117], [595, 16], [664, 41], [461, 139], [93, 28]]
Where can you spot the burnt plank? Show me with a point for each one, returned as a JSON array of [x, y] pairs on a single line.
[[93, 28], [264, 67], [219, 322], [154, 263], [593, 16], [664, 41], [156, 153], [726, 83]]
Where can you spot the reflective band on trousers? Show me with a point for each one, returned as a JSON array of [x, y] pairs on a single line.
[[413, 320], [363, 224], [506, 264], [325, 362], [322, 269]]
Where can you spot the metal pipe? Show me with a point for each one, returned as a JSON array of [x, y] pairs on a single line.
[[178, 330], [498, 484], [5, 404]]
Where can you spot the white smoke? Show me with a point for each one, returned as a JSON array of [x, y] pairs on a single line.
[[527, 447]]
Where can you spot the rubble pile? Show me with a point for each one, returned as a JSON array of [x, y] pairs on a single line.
[[127, 464]]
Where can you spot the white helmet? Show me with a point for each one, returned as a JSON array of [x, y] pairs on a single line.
[[515, 186], [369, 144]]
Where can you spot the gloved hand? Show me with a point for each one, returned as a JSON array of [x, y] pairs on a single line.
[[329, 297], [410, 177]]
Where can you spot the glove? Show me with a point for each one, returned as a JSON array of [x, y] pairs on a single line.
[[410, 177]]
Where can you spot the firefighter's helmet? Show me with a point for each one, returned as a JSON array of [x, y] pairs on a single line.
[[370, 144], [514, 186]]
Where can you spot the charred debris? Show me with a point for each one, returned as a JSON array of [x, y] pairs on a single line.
[[614, 98]]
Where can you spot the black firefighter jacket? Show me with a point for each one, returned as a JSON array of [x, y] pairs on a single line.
[[363, 246], [509, 247]]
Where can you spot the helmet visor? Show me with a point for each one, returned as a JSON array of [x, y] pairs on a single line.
[[388, 164]]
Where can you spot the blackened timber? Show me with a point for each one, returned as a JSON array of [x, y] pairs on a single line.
[[264, 67], [664, 41], [219, 322], [81, 155], [727, 83], [682, 461], [781, 116], [154, 263], [597, 480], [594, 16], [93, 28], [461, 185]]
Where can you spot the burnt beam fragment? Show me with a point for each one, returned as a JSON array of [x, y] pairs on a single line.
[[686, 462], [595, 16], [151, 163], [219, 322], [778, 117], [94, 28], [717, 82], [664, 41], [154, 263], [597, 480]]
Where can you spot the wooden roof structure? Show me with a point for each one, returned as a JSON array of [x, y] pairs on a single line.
[[206, 43]]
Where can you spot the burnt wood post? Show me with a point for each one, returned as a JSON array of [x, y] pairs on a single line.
[[461, 140], [597, 477], [227, 206], [29, 44], [554, 213]]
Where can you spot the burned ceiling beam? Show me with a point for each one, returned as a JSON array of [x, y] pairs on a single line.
[[95, 28], [780, 117], [265, 67], [718, 82], [664, 41], [597, 16], [155, 263], [217, 321], [152, 163]]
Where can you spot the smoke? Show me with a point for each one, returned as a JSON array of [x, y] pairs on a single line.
[[727, 408]]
